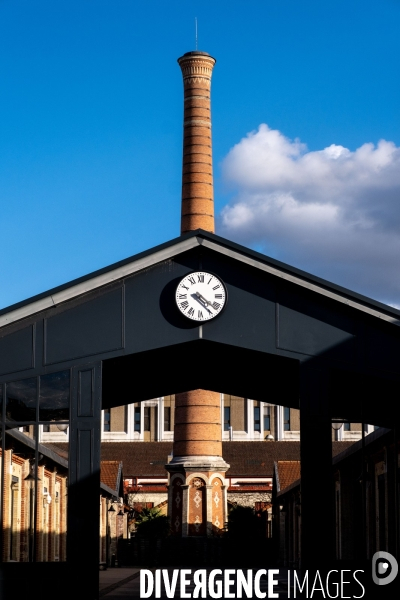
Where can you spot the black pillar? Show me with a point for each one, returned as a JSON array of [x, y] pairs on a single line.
[[84, 482], [317, 490]]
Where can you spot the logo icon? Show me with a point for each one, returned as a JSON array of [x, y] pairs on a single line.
[[384, 568]]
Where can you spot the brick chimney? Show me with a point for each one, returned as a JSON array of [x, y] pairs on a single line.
[[197, 499], [197, 175]]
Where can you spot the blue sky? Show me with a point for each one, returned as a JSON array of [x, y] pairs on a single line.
[[91, 134]]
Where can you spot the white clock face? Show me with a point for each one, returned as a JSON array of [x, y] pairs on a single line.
[[200, 296]]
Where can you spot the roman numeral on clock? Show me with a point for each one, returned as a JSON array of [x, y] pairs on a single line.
[[200, 278], [184, 296], [191, 279], [199, 315], [184, 305], [216, 305], [218, 296], [216, 287], [191, 311]]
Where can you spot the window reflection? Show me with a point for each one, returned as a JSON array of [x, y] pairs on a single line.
[[54, 396], [21, 400]]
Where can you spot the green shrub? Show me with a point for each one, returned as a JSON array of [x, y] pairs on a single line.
[[151, 523]]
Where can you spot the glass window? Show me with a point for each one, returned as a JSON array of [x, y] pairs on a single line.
[[227, 418], [107, 419], [267, 418], [54, 396], [146, 418], [21, 400], [137, 418], [346, 426], [167, 418], [286, 418], [257, 425]]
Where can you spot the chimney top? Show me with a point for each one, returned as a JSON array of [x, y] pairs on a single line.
[[194, 53]]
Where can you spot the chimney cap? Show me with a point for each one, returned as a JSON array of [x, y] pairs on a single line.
[[195, 53]]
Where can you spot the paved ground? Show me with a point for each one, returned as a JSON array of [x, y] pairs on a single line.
[[114, 578], [119, 584]]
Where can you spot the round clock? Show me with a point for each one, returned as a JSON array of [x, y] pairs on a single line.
[[200, 296]]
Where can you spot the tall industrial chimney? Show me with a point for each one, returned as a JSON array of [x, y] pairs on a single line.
[[197, 175], [197, 500]]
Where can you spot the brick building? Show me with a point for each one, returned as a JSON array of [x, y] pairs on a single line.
[[366, 481], [34, 524]]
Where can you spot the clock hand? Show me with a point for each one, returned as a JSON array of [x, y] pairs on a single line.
[[208, 302], [203, 301]]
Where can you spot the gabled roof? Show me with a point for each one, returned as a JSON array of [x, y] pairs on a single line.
[[179, 245], [110, 474], [286, 473]]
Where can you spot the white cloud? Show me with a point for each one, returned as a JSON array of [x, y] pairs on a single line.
[[332, 212]]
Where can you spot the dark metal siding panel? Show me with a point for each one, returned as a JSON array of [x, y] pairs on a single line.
[[383, 349], [90, 328], [17, 351], [86, 393], [315, 328], [248, 319], [152, 318]]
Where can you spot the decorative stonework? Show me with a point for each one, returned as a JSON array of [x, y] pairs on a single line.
[[175, 504], [197, 506], [218, 514]]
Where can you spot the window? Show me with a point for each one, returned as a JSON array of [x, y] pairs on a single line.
[[257, 416], [167, 418], [227, 418], [46, 428], [137, 418], [346, 426], [286, 419], [267, 418], [146, 418], [107, 419]]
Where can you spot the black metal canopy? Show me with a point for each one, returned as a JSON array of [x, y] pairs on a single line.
[[117, 336], [277, 318]]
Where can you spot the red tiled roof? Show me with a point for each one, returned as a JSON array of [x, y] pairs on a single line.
[[143, 488], [110, 473], [287, 472], [266, 487], [246, 459]]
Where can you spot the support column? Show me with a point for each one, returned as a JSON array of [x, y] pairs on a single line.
[[317, 487], [279, 424], [84, 479]]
